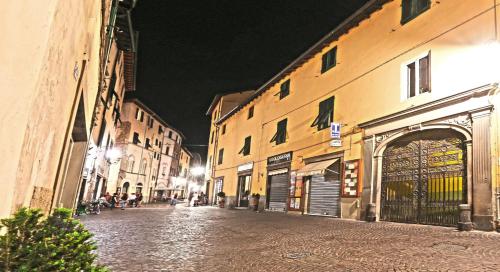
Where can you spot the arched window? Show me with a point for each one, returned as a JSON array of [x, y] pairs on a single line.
[[125, 187], [143, 168], [138, 188], [130, 163]]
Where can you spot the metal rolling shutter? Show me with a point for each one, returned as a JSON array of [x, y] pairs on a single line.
[[325, 196], [279, 192]]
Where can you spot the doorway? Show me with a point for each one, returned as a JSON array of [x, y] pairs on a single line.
[[243, 190]]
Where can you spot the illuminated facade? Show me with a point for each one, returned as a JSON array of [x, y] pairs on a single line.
[[412, 87]]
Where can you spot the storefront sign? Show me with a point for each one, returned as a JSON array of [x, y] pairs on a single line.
[[336, 143], [245, 167], [335, 130], [285, 157]]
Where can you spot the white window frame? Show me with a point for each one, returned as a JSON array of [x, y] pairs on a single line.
[[405, 84]]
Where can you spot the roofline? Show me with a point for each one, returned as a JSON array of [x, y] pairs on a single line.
[[187, 151], [218, 96], [361, 14], [151, 112]]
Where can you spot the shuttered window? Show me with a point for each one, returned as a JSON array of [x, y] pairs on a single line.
[[221, 156], [246, 147], [250, 112], [136, 140], [285, 89], [418, 77], [325, 114], [410, 9], [329, 60], [280, 135]]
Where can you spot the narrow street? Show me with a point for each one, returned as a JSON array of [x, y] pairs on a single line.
[[163, 238]]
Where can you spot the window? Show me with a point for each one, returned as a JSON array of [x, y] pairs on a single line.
[[417, 77], [246, 147], [329, 60], [170, 134], [130, 164], [325, 114], [143, 168], [285, 89], [221, 156], [160, 144], [101, 132], [139, 115], [280, 136], [168, 150], [223, 129], [250, 112], [160, 129], [410, 9], [156, 142], [147, 145], [150, 121], [212, 138], [136, 140]]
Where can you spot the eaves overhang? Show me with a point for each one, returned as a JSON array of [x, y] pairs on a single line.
[[352, 21]]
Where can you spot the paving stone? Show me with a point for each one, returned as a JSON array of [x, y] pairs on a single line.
[[165, 238]]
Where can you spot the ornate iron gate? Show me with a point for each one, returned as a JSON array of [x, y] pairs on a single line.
[[424, 178]]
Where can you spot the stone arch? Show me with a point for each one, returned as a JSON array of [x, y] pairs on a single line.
[[385, 142]]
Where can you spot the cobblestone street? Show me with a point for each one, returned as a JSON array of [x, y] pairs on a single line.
[[211, 239]]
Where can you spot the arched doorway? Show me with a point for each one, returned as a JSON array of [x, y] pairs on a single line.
[[125, 187], [424, 178]]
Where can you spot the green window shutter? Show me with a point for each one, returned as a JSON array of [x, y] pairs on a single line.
[[406, 11], [323, 62]]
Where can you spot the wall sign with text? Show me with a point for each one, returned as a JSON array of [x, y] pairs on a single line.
[[351, 181]]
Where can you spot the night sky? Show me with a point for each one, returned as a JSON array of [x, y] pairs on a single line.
[[191, 50]]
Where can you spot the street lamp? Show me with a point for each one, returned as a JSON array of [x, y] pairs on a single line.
[[197, 171]]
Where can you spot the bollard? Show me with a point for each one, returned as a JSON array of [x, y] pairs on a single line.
[[464, 221], [370, 212]]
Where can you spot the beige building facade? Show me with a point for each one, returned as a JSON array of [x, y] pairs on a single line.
[[49, 91], [391, 116], [143, 140], [169, 165]]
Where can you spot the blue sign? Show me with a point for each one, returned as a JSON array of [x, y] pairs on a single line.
[[335, 130]]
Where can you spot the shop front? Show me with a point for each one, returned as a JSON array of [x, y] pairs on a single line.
[[244, 183], [321, 179], [218, 187], [278, 177]]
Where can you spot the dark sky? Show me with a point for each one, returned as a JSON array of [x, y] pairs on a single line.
[[191, 50]]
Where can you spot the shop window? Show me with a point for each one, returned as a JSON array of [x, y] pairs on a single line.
[[246, 147], [280, 135], [285, 89], [325, 114], [329, 60], [417, 77], [410, 9], [221, 156], [250, 112], [136, 140]]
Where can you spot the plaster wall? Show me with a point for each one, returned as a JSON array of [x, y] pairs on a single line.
[[39, 77], [367, 83]]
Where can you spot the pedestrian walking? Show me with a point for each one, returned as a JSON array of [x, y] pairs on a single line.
[[123, 201], [113, 201]]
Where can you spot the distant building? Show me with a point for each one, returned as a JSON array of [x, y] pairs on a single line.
[[169, 164], [144, 140]]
